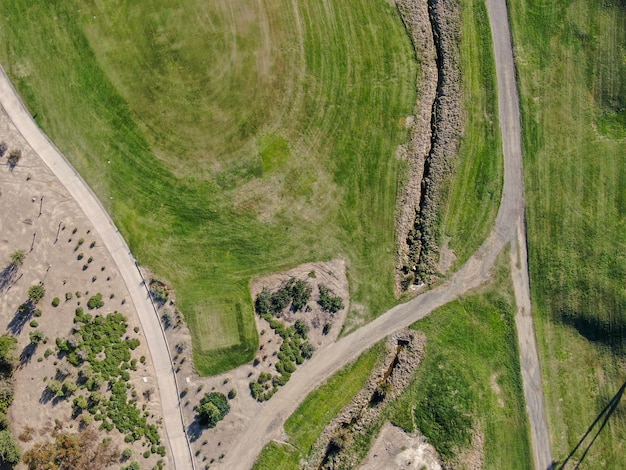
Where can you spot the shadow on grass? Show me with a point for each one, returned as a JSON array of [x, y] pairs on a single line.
[[600, 420], [597, 330]]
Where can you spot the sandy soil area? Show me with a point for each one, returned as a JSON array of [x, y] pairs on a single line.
[[37, 215], [394, 449]]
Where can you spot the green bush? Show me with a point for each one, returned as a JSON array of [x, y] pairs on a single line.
[[300, 292], [36, 293], [95, 302], [10, 452], [55, 302], [328, 301], [212, 408], [301, 328], [232, 394]]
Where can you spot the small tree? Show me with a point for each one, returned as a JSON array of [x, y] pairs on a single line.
[[95, 302], [14, 158], [301, 328], [17, 258], [212, 409], [36, 293], [36, 336], [10, 452]]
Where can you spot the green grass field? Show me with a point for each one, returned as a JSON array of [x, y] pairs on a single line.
[[471, 201], [570, 57], [228, 139], [306, 424], [475, 341]]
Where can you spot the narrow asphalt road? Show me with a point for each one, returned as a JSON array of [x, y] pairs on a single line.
[[78, 189], [511, 140]]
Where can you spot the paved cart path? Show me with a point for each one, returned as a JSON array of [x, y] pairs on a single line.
[[113, 241]]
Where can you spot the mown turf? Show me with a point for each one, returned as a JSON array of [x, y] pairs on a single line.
[[318, 409], [472, 346], [228, 139], [472, 198], [570, 58]]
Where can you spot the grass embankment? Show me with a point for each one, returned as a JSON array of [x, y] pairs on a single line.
[[228, 139], [570, 58], [306, 424], [471, 368], [472, 197]]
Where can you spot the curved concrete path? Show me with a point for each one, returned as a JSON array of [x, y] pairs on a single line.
[[78, 189]]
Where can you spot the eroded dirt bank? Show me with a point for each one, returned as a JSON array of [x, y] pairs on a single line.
[[433, 26]]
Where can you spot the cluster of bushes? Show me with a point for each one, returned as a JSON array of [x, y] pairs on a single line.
[[294, 350], [213, 408], [10, 452], [328, 301], [78, 451], [295, 292], [98, 347]]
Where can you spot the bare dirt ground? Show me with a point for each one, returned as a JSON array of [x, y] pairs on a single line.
[[38, 215], [394, 449]]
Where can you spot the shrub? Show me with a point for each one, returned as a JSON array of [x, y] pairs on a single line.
[[232, 394], [306, 349], [14, 158], [300, 292], [34, 323], [10, 452], [127, 453], [158, 294], [262, 304], [36, 336], [328, 301], [301, 328], [36, 293], [95, 301], [55, 302], [212, 408]]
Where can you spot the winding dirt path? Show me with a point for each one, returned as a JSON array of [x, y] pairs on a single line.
[[78, 189], [511, 139]]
